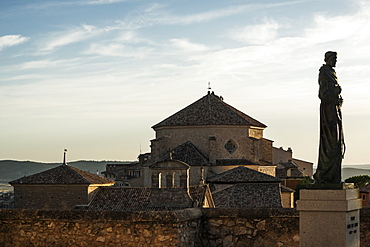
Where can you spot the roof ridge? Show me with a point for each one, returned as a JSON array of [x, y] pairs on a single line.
[[197, 150], [209, 110], [76, 170], [154, 126], [62, 174]]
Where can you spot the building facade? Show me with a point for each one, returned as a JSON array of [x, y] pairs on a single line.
[[62, 187]]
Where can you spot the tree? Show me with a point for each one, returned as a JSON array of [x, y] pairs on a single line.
[[302, 185], [359, 181], [303, 182]]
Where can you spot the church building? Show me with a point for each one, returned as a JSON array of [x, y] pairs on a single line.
[[208, 138], [212, 135]]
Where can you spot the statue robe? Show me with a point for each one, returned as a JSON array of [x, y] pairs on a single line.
[[331, 132]]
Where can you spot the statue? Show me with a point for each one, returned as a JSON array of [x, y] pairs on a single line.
[[331, 149]]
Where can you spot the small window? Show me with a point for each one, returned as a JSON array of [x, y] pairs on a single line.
[[230, 146]]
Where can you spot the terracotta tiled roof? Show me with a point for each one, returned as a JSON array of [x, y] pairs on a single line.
[[117, 198], [289, 164], [187, 153], [63, 174], [283, 167], [243, 174], [365, 188], [249, 195], [209, 110], [296, 173], [145, 199]]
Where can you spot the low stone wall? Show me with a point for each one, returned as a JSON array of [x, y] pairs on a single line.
[[365, 227], [250, 227], [87, 228], [189, 227]]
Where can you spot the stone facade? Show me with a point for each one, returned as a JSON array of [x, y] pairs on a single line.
[[211, 141], [60, 188], [50, 196], [53, 196]]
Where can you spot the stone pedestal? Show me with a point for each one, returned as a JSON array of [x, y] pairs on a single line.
[[329, 218]]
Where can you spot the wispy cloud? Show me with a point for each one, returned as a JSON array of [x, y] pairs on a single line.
[[257, 34], [11, 40], [186, 46], [70, 36], [117, 50], [225, 12], [99, 2], [157, 14], [47, 63], [47, 5]]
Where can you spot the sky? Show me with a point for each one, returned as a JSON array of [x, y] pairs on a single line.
[[93, 76]]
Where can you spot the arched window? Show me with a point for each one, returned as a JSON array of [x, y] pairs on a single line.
[[160, 180]]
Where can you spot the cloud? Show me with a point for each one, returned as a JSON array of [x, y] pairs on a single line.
[[73, 35], [55, 4], [209, 15], [11, 40], [185, 45], [126, 44], [221, 13], [157, 15], [100, 2], [257, 34], [41, 64], [117, 50]]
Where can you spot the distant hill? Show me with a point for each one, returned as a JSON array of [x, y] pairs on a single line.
[[349, 171], [13, 169]]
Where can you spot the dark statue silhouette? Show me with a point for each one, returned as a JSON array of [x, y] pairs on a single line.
[[331, 149]]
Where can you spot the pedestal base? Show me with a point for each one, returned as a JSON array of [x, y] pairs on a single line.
[[329, 218], [342, 186]]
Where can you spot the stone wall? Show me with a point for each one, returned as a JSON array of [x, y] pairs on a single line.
[[89, 228], [189, 227], [281, 155], [250, 227], [365, 227], [266, 149]]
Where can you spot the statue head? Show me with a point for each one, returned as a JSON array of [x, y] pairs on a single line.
[[331, 58]]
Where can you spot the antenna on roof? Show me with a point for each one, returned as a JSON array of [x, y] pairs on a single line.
[[64, 157], [209, 87]]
